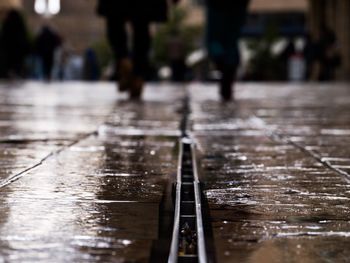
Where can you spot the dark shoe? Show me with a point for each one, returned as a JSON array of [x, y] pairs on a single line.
[[226, 92], [136, 88], [124, 70], [227, 82]]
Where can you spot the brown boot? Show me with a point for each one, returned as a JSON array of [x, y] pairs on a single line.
[[124, 69], [136, 88]]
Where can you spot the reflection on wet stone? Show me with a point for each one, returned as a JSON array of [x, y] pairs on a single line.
[[83, 173], [275, 169], [95, 194]]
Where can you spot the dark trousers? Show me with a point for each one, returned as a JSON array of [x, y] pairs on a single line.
[[224, 23], [141, 42]]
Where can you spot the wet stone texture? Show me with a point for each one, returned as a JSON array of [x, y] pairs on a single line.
[[83, 172], [276, 171]]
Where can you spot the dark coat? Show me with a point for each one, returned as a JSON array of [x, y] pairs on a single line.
[[14, 44], [228, 5], [149, 10]]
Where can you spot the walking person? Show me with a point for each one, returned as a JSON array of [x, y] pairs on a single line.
[[14, 45], [131, 65], [326, 59], [225, 19], [46, 43]]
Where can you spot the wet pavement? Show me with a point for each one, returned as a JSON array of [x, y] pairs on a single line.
[[276, 167], [85, 173]]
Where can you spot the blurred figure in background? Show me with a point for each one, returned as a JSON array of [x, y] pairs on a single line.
[[224, 21], [177, 56], [325, 57], [285, 57], [309, 54], [73, 65], [132, 65], [91, 71], [14, 45], [46, 43]]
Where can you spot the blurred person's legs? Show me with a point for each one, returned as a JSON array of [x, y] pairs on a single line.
[[130, 72], [47, 65], [14, 66], [118, 39], [141, 47], [225, 20], [139, 14]]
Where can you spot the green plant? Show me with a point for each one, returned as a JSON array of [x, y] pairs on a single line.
[[103, 52], [264, 65]]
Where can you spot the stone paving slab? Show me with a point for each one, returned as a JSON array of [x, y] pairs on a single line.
[[100, 178], [84, 171], [16, 157], [275, 167]]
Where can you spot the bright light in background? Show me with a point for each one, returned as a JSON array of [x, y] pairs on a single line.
[[54, 6], [40, 6], [47, 7]]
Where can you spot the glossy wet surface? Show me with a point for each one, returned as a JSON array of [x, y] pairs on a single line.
[[276, 167], [83, 172]]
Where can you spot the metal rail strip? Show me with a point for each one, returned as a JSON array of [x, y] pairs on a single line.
[[202, 255], [188, 240]]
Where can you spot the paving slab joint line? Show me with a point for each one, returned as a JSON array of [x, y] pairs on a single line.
[[43, 160], [23, 141], [276, 133], [320, 160]]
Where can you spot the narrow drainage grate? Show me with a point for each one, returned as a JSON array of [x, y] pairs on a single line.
[[188, 242]]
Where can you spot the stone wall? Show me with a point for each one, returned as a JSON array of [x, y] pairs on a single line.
[[77, 22]]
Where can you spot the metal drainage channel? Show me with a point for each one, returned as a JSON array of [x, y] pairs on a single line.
[[188, 242]]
